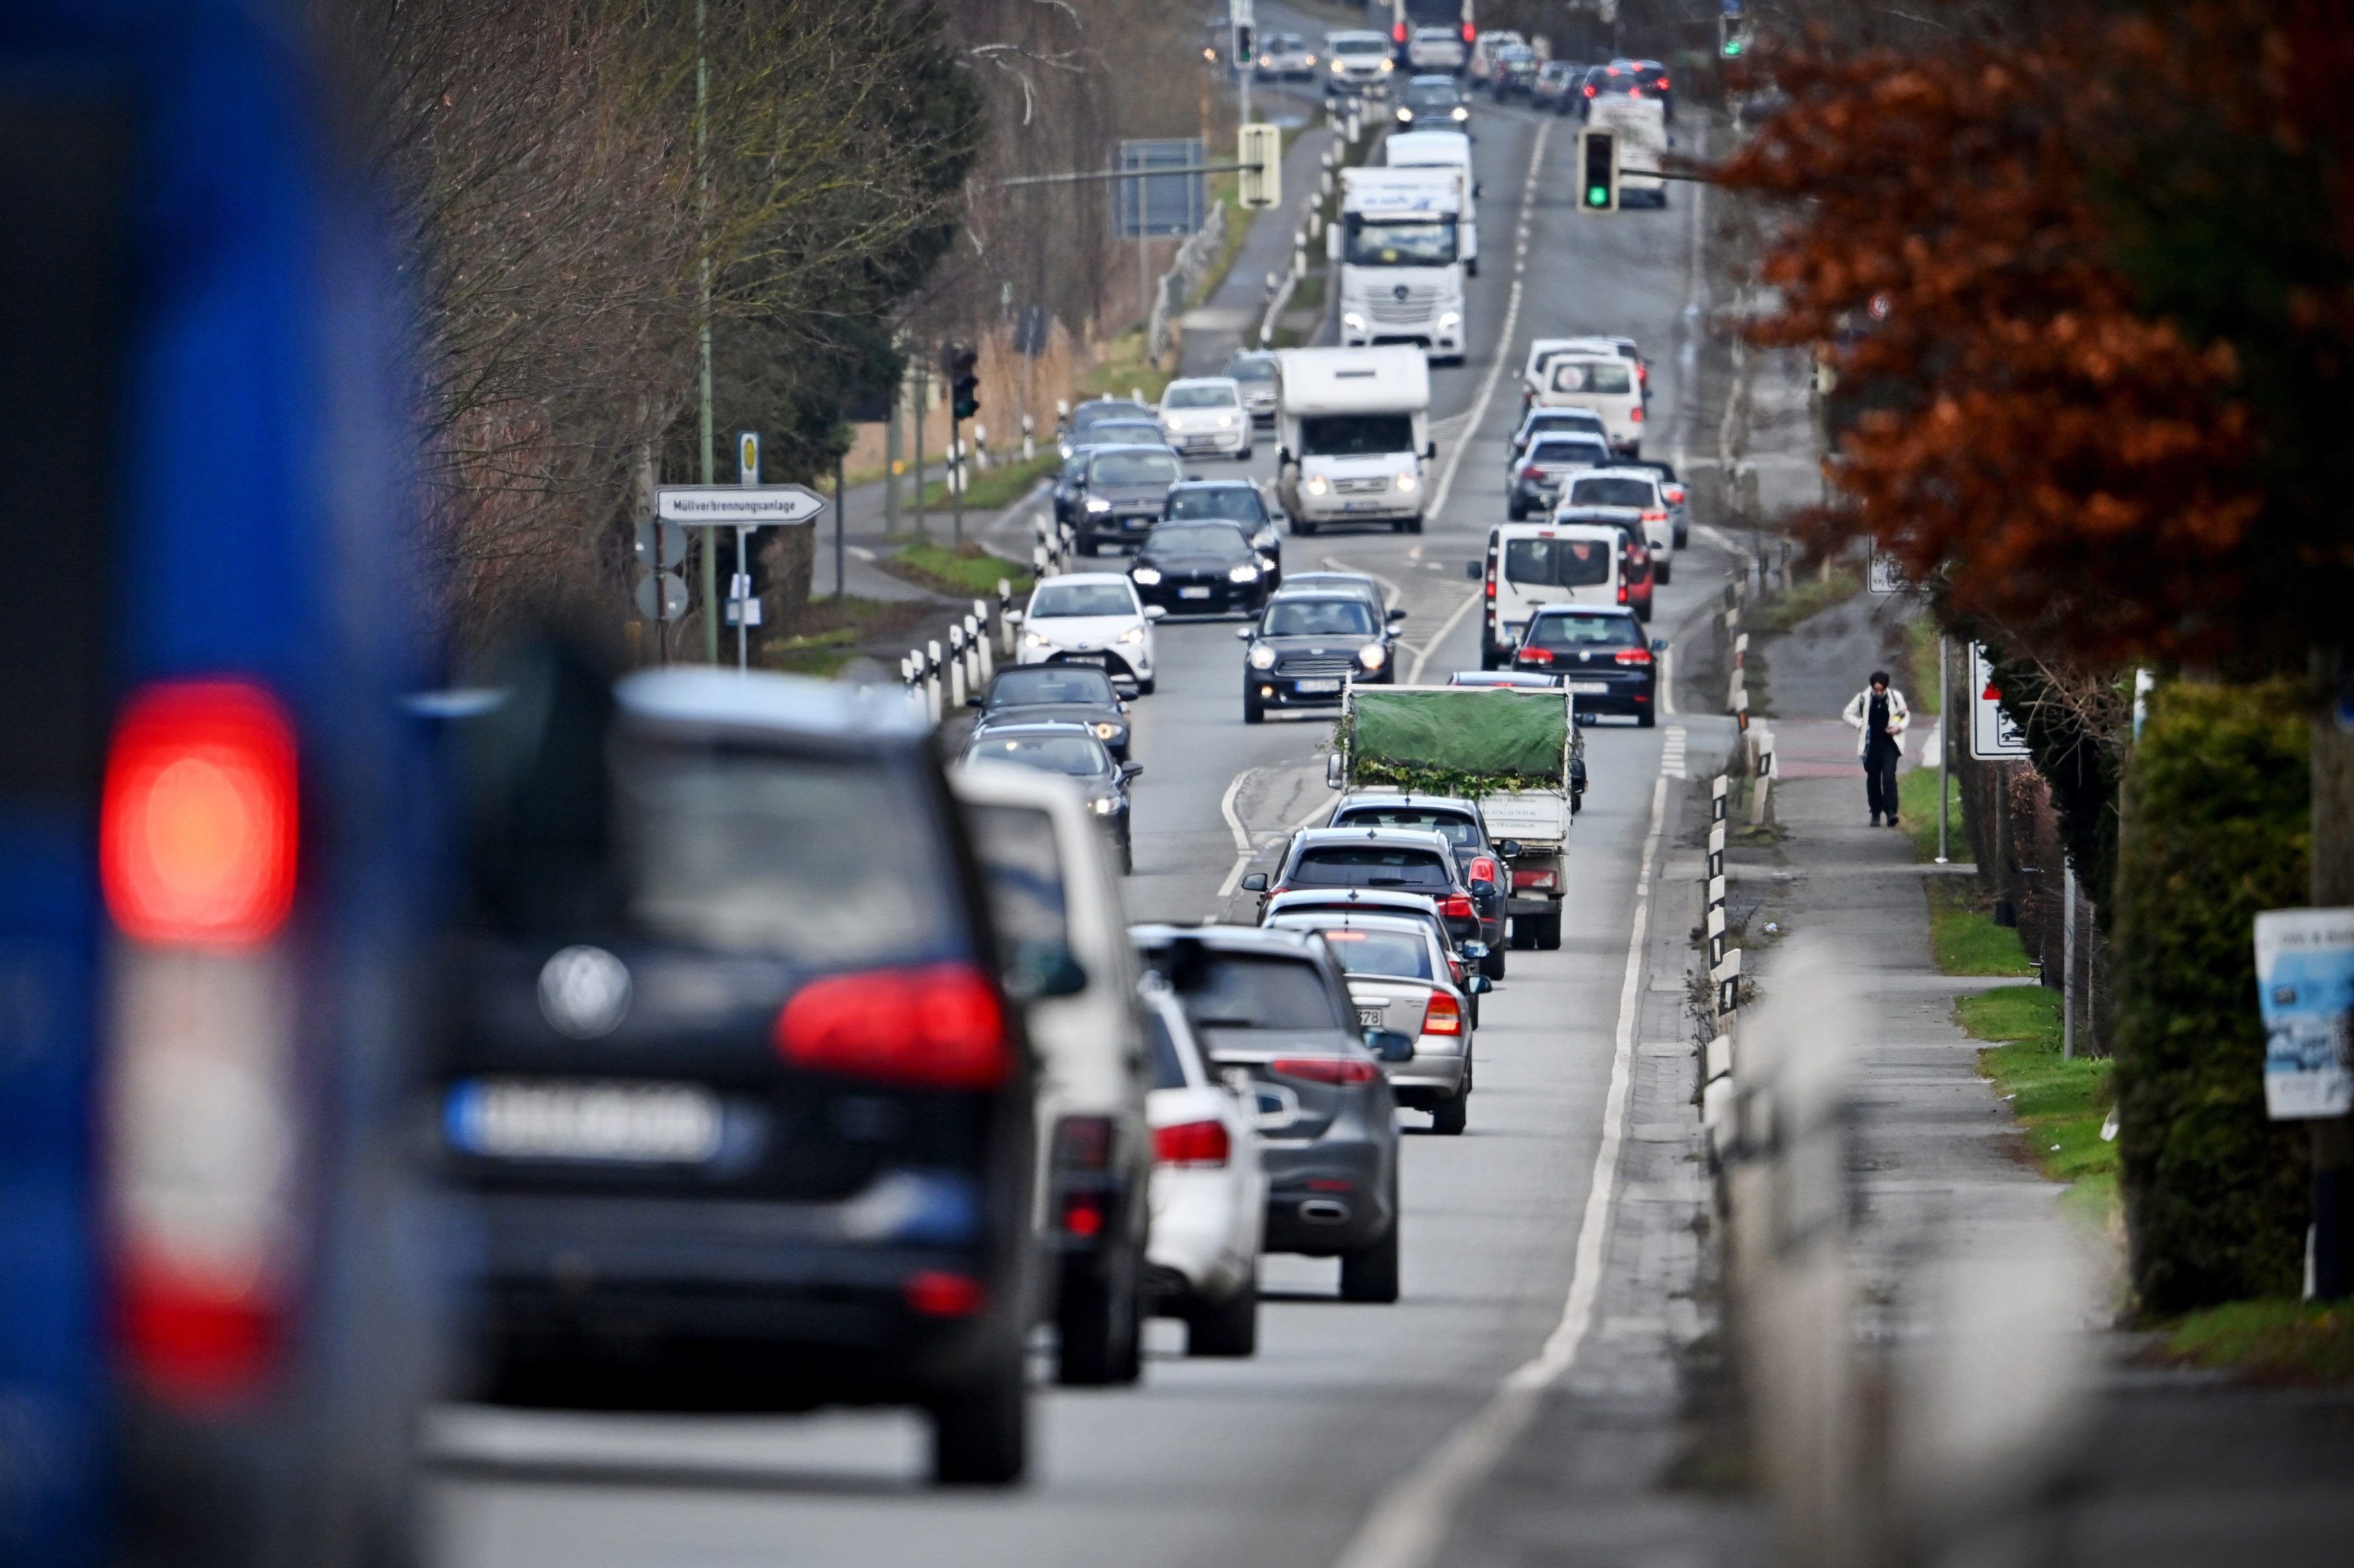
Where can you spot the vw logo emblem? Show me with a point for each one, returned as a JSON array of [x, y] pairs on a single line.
[[583, 993]]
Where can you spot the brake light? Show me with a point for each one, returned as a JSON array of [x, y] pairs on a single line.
[[1457, 907], [1655, 516], [1661, 84], [1632, 656], [1467, 32], [1397, 33], [197, 825], [1622, 593], [1343, 1070], [938, 1026], [1083, 1215], [1532, 879], [1442, 1016], [1483, 869], [1589, 91], [1533, 656], [1635, 414], [1532, 471], [1191, 1143], [935, 1293], [1675, 494]]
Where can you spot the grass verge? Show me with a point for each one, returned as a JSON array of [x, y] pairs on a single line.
[[966, 572], [2059, 1104], [1965, 938], [1002, 486], [2270, 1341], [829, 632], [1781, 611], [1121, 368], [1917, 801], [1921, 667]]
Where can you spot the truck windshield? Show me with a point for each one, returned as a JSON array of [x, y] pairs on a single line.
[[1356, 435], [1557, 563], [1422, 243]]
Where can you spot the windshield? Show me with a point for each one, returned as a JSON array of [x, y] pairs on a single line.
[[1235, 993], [1425, 243], [1198, 397], [1252, 370], [1135, 468], [1557, 563], [1608, 375], [1318, 618], [1091, 414], [1573, 631], [1370, 866], [1356, 435], [746, 851], [1359, 45], [1124, 432], [1218, 540], [1607, 492], [1363, 952], [1075, 755], [1015, 846], [1055, 600], [1433, 95], [1591, 453], [1050, 684], [1236, 502], [1451, 824]]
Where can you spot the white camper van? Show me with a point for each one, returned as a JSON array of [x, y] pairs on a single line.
[[1531, 565], [1642, 127], [1445, 150], [1352, 431], [1401, 267]]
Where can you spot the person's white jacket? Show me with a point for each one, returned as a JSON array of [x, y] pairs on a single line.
[[1900, 718]]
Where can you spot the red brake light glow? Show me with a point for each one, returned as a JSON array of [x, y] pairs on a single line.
[[1457, 907], [1468, 32], [935, 1293], [197, 830], [1655, 516], [938, 1026], [1191, 1143], [1635, 414], [1342, 1070], [1622, 593], [1632, 656], [1442, 1016], [1483, 868], [1397, 33], [1533, 656]]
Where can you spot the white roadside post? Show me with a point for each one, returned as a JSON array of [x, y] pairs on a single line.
[[956, 667], [932, 682]]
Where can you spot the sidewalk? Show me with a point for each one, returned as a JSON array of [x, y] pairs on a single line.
[[1229, 319]]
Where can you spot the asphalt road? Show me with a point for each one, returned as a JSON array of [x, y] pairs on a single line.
[[1278, 1459]]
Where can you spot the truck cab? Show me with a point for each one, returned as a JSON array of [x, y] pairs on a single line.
[[1352, 432], [1398, 241], [1444, 149]]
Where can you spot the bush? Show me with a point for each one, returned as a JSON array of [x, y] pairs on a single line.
[[2215, 829]]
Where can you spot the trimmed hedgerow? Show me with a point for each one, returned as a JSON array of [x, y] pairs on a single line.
[[2215, 829]]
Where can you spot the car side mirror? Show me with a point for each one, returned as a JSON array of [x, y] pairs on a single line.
[[1475, 949], [1509, 848], [1658, 645], [1482, 888], [1242, 634], [1014, 617], [1255, 883], [1156, 612], [1397, 615], [1389, 1045], [1130, 770], [1479, 985], [1473, 571], [1336, 771], [1431, 452], [1042, 970]]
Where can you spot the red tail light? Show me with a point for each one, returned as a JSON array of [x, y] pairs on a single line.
[[1468, 33], [934, 1293], [197, 827], [1655, 516], [1622, 593], [1325, 1069], [1635, 414], [1483, 869], [937, 1027], [1533, 656], [1675, 494], [1191, 1143], [1532, 471], [1442, 1016], [1532, 879], [1661, 84], [1457, 907], [1632, 656], [1083, 1215], [1589, 91]]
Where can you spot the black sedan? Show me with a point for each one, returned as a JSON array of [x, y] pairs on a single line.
[[1305, 648], [1123, 491], [1078, 430], [1239, 502], [1057, 694], [1600, 654], [1073, 751], [1200, 568], [1431, 103]]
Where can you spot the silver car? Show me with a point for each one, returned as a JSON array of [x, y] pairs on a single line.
[[1399, 981], [1254, 372]]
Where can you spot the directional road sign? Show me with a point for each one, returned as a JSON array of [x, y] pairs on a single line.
[[737, 505]]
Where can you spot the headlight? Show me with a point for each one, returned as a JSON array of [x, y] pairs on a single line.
[[1336, 65], [1098, 505], [1225, 422], [1133, 636], [1353, 321], [1406, 114], [1461, 113], [1106, 730], [1105, 805], [1317, 484], [1371, 655], [1262, 657], [1449, 319], [1033, 639], [1247, 572], [1389, 65], [1406, 484], [1148, 576]]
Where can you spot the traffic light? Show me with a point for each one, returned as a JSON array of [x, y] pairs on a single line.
[[1597, 170], [1261, 154], [964, 381], [1246, 44]]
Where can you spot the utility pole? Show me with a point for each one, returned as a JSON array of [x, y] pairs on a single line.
[[1945, 742], [923, 391], [710, 454], [890, 460], [2332, 862]]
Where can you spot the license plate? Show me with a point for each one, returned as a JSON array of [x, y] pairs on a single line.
[[1371, 1017], [1193, 593], [1360, 506], [1316, 685], [1590, 688], [1096, 659], [641, 1123]]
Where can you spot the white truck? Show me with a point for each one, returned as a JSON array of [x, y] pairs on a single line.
[[1352, 435], [1398, 243], [1642, 127], [1444, 149]]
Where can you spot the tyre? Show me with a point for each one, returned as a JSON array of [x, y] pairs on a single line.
[[1647, 720], [1096, 1324], [1450, 1116], [1127, 857], [1370, 1274], [1471, 268], [1544, 934], [1415, 525], [1492, 966], [1243, 455], [981, 1435], [1515, 511], [1401, 527], [1228, 1328], [1643, 612], [1490, 659], [1663, 571], [1302, 528], [1146, 686], [1254, 710]]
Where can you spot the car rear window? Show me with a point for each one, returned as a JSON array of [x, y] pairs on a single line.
[[1560, 632], [1607, 492], [1234, 991], [1135, 468], [740, 849], [1168, 1062], [1607, 377], [1015, 846], [1370, 866], [1560, 449], [1050, 684], [1457, 828], [1557, 563], [1363, 952]]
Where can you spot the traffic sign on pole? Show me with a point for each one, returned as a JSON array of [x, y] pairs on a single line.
[[737, 505], [660, 545], [747, 456], [1995, 735], [662, 596]]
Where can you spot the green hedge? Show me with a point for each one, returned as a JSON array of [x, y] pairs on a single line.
[[2215, 828]]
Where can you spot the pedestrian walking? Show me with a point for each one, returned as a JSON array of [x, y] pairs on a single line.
[[1881, 718]]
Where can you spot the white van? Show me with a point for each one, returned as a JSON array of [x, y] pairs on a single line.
[[1642, 127], [1533, 564], [1601, 382], [1055, 897], [1447, 149], [1353, 433]]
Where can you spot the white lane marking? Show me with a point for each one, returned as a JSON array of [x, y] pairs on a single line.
[[1234, 877], [1233, 819], [1414, 675], [1335, 564], [1407, 1527]]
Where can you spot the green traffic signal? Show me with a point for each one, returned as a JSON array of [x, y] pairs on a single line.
[[1732, 48], [1597, 195]]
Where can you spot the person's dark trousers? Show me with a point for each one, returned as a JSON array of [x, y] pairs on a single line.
[[1879, 756]]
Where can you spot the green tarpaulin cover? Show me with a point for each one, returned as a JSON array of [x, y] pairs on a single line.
[[1471, 740]]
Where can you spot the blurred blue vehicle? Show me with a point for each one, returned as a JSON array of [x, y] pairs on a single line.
[[214, 1319]]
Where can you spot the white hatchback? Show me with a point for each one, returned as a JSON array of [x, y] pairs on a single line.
[[1209, 1189], [1090, 618], [1207, 414]]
